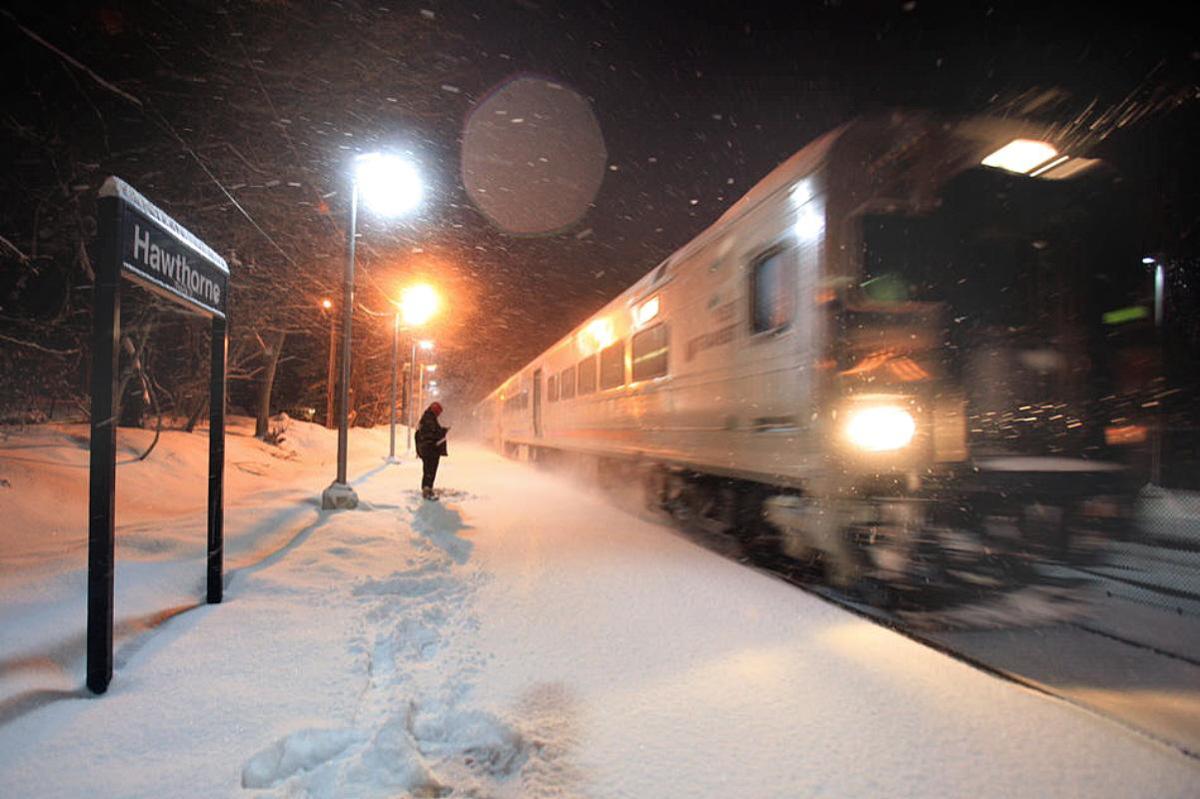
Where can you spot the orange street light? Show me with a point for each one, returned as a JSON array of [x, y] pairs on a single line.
[[418, 304]]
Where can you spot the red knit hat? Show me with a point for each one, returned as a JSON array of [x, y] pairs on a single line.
[[436, 408]]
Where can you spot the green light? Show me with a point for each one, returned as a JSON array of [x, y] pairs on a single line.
[[887, 288], [1123, 315]]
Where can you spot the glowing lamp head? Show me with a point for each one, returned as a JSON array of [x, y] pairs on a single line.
[[427, 346], [431, 367], [880, 428], [1021, 156], [418, 304], [387, 184], [326, 304]]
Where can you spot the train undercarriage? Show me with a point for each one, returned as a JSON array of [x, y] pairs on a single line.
[[942, 545]]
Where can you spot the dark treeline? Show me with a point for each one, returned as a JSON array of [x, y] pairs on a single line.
[[240, 120]]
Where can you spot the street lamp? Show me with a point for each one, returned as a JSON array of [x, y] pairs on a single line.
[[389, 186]]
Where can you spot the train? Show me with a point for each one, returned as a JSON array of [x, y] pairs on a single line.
[[888, 359]]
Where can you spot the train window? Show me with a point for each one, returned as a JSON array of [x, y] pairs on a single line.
[[566, 382], [612, 365], [587, 375], [552, 388], [517, 402], [772, 291], [650, 353]]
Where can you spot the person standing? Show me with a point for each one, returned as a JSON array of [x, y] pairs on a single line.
[[431, 446]]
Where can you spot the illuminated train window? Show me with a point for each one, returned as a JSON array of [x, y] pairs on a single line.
[[650, 353], [612, 366], [772, 291], [587, 375]]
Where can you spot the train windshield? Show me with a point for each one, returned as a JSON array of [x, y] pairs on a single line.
[[1016, 278], [1024, 255]]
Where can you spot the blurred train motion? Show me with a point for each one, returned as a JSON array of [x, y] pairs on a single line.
[[893, 359]]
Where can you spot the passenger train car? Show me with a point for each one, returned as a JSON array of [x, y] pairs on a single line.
[[895, 334]]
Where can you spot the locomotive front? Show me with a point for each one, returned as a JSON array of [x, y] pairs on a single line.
[[971, 379]]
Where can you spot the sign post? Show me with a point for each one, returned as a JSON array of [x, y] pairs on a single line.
[[141, 242]]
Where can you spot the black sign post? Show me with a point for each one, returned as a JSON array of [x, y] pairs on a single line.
[[141, 242]]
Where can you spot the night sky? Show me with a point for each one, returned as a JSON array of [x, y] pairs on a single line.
[[693, 108]]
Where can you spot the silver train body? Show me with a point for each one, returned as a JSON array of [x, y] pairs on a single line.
[[774, 379]]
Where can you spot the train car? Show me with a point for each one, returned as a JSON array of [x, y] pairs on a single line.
[[891, 340]]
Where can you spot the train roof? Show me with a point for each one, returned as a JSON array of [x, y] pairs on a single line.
[[973, 137]]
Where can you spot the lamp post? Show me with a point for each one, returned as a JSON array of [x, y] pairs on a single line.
[[418, 303], [391, 458], [327, 306], [390, 186], [412, 406], [425, 367]]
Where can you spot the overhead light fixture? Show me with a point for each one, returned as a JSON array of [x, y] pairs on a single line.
[[390, 185], [646, 311], [1021, 156]]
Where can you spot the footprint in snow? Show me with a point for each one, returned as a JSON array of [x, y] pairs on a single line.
[[440, 525]]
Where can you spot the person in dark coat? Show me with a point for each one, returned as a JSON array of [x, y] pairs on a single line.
[[431, 446]]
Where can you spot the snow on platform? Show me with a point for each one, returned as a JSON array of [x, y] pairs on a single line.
[[523, 638]]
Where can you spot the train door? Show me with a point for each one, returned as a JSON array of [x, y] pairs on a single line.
[[537, 403]]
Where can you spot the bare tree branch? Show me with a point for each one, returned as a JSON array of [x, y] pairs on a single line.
[[83, 68], [38, 347], [22, 257]]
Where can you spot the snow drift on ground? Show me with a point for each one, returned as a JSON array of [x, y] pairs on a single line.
[[523, 638]]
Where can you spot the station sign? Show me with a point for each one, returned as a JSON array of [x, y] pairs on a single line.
[[163, 256], [140, 242]]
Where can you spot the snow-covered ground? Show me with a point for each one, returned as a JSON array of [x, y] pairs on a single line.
[[522, 638]]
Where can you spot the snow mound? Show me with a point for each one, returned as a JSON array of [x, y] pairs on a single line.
[[300, 751], [486, 743], [390, 761]]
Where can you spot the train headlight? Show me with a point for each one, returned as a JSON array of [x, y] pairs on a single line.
[[880, 428]]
